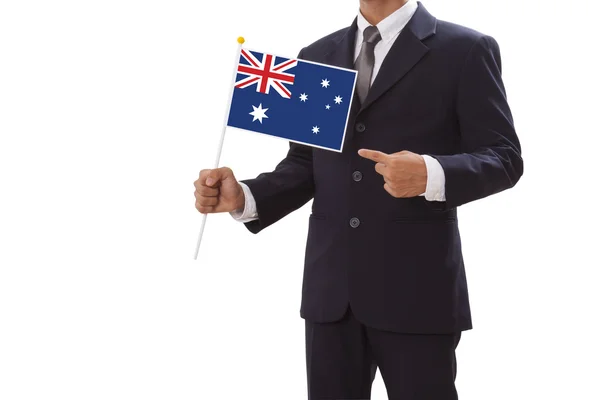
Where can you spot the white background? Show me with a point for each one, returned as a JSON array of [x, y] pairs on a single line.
[[109, 109]]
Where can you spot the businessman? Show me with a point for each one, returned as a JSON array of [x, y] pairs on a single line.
[[384, 282]]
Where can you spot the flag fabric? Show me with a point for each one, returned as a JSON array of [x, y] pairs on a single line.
[[293, 99]]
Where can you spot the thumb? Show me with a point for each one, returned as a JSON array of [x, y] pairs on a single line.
[[217, 175]]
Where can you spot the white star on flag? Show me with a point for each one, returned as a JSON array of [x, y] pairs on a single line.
[[259, 113], [328, 106], [325, 83], [303, 97], [337, 100], [315, 129]]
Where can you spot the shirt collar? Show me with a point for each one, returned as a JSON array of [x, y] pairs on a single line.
[[391, 25]]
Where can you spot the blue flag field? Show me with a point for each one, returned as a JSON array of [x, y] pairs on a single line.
[[293, 99]]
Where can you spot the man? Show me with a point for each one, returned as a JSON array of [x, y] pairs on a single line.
[[384, 283]]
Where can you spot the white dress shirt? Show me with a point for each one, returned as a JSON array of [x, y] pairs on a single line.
[[389, 28]]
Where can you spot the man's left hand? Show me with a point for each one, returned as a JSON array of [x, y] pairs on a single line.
[[404, 173]]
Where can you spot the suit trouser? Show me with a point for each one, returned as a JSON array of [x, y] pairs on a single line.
[[342, 358]]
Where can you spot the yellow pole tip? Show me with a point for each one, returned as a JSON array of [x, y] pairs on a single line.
[[241, 40]]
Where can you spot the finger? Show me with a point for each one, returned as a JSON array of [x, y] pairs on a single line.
[[397, 192], [207, 201], [390, 190], [207, 191], [381, 168], [199, 183], [203, 174], [217, 175], [374, 155], [390, 184], [204, 209]]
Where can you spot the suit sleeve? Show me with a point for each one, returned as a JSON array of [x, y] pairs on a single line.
[[285, 189], [490, 159]]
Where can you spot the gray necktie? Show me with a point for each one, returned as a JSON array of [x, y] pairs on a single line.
[[365, 61]]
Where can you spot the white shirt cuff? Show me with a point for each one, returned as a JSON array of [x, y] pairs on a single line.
[[249, 212], [436, 180]]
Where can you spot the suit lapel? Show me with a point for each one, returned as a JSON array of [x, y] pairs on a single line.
[[342, 53], [405, 53]]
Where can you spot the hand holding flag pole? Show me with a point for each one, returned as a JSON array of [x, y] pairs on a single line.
[[240, 41], [308, 102]]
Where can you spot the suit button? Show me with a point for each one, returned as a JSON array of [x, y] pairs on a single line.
[[357, 176], [354, 222], [360, 127]]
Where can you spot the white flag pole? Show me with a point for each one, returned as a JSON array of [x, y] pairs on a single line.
[[240, 41]]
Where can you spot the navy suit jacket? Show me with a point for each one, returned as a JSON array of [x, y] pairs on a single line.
[[399, 264]]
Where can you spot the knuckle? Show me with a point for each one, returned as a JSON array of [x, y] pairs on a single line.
[[204, 209]]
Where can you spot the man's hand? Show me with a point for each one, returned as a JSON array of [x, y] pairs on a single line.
[[217, 191], [404, 173]]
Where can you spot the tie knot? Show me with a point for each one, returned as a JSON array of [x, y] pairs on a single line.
[[371, 35]]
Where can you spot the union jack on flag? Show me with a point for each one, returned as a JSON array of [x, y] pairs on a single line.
[[293, 99], [265, 73]]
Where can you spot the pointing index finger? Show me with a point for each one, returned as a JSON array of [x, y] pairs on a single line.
[[373, 155]]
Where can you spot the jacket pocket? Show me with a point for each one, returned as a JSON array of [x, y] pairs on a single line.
[[425, 219]]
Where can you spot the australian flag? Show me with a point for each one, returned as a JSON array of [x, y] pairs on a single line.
[[297, 100]]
